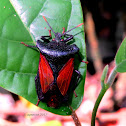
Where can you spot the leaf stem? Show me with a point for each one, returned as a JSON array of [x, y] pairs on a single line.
[[75, 117], [111, 77], [103, 90], [110, 81]]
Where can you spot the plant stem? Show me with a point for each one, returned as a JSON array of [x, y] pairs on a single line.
[[111, 77], [75, 117], [102, 92]]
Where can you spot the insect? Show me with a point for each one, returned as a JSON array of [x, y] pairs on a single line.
[[56, 68]]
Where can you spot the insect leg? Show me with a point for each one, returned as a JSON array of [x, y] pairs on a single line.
[[28, 45], [81, 59], [70, 37], [37, 102], [63, 30], [75, 93], [44, 37], [78, 77]]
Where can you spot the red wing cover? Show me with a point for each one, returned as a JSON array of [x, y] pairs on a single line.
[[64, 77], [45, 74]]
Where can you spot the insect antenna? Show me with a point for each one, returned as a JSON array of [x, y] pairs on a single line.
[[72, 29], [49, 25]]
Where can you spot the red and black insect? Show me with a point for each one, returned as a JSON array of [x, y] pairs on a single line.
[[56, 68]]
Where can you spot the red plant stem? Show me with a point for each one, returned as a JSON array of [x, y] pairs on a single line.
[[75, 117]]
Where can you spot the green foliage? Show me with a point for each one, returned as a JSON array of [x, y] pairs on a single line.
[[21, 21], [103, 77], [120, 58]]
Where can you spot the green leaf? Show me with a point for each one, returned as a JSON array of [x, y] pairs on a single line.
[[104, 75], [120, 58], [23, 22]]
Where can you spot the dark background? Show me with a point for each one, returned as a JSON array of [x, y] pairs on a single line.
[[109, 17]]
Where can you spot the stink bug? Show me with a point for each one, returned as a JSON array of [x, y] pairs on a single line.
[[56, 68]]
